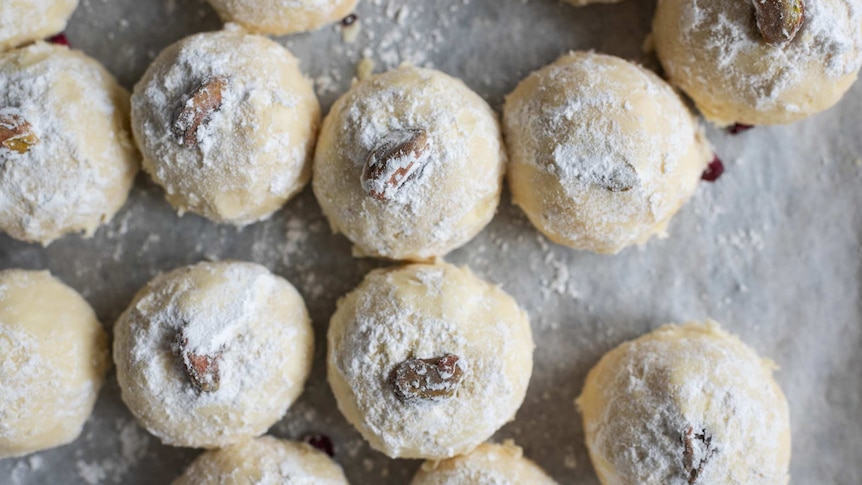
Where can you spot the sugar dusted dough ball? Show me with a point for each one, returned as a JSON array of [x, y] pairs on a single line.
[[409, 164], [263, 461], [685, 405], [428, 361], [584, 3], [226, 123], [715, 52], [602, 152], [53, 358], [280, 17], [23, 21], [66, 152], [212, 354], [488, 464]]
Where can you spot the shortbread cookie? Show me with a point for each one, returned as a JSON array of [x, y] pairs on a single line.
[[602, 152], [280, 17], [24, 21], [686, 405], [488, 464], [760, 62], [213, 354], [53, 359], [226, 123], [67, 157], [428, 361], [409, 164], [263, 461]]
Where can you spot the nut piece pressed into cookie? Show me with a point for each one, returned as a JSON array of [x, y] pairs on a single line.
[[409, 165], [602, 152], [488, 464], [760, 62], [227, 124], [277, 17], [427, 360], [686, 405], [265, 460], [66, 151], [53, 359], [212, 354]]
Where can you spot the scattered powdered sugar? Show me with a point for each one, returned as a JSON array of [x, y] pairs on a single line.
[[79, 171]]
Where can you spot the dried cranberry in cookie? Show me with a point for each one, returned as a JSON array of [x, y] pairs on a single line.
[[488, 464], [24, 21], [760, 62], [686, 405], [53, 358], [409, 165], [266, 461], [212, 354], [66, 153], [602, 152], [226, 123], [280, 17], [427, 360]]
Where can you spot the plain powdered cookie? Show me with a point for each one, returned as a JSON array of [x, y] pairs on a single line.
[[428, 361], [226, 123], [737, 70], [409, 164], [53, 359], [280, 17], [24, 21], [686, 405], [67, 161], [263, 461], [488, 464], [212, 354], [602, 152]]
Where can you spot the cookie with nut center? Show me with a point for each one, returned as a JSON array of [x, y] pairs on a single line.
[[427, 360], [409, 165], [227, 125]]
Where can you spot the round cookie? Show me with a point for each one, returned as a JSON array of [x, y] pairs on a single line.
[[488, 464], [409, 164], [263, 461], [427, 360], [67, 157], [687, 404], [584, 3], [717, 54], [226, 123], [24, 21], [212, 354], [53, 359], [279, 17], [602, 152]]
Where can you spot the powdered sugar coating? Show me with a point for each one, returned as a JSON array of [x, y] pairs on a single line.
[[602, 151], [280, 17], [80, 171], [263, 461], [714, 52], [488, 464], [254, 152], [257, 325], [427, 311], [684, 398], [53, 358], [23, 21], [450, 199]]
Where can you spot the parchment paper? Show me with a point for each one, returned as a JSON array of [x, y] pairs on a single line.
[[772, 250]]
